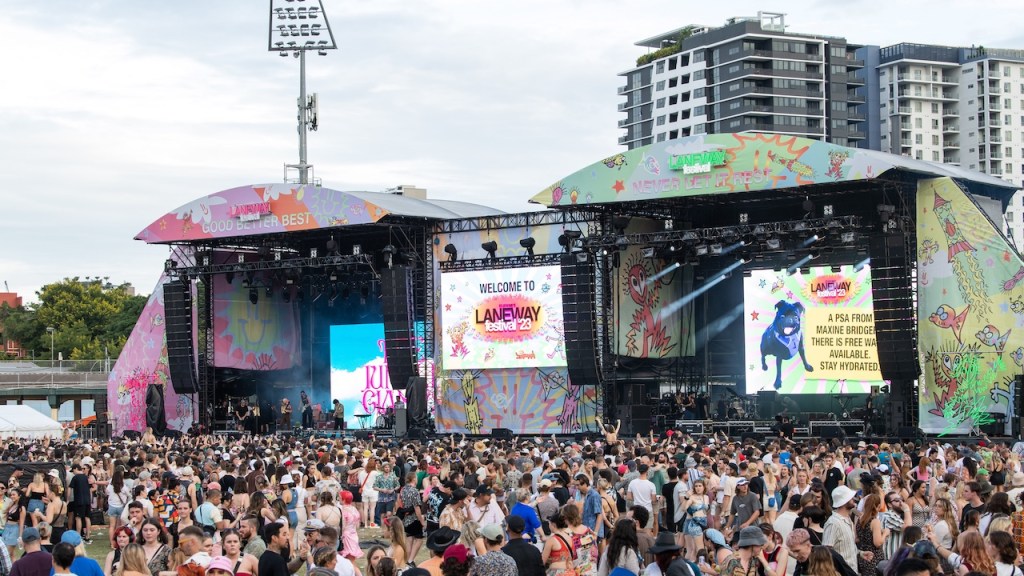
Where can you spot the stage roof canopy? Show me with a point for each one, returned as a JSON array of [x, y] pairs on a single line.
[[713, 164], [275, 208]]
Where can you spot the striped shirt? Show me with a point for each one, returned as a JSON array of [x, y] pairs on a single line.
[[894, 522], [840, 536]]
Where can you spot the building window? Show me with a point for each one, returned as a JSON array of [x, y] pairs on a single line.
[[661, 137], [917, 106], [935, 139], [1007, 120], [659, 86], [659, 67], [1006, 70], [1008, 152], [734, 50], [918, 139], [918, 155], [935, 155], [699, 74], [1007, 103], [698, 56], [661, 120], [660, 103], [935, 107], [918, 123], [935, 124], [698, 93]]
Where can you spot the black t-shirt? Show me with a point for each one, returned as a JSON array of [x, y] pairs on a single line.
[[273, 564], [968, 508], [756, 485], [527, 556], [80, 486], [227, 484], [561, 493], [668, 492], [833, 478]]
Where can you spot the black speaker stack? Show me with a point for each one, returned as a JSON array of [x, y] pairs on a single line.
[[578, 312], [399, 343], [178, 321]]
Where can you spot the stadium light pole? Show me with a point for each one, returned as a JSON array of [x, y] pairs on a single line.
[[297, 27]]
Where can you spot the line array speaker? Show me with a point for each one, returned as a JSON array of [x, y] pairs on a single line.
[[416, 399], [578, 312], [178, 322], [399, 345]]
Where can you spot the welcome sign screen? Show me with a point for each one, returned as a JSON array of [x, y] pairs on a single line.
[[508, 318], [810, 333]]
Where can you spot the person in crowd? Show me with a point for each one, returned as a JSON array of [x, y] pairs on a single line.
[[527, 557], [35, 561]]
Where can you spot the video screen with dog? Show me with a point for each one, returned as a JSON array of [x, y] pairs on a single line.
[[509, 318], [812, 332]]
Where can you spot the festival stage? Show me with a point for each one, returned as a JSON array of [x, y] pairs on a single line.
[[738, 276]]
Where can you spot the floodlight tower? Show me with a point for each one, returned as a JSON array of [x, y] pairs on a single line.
[[297, 27]]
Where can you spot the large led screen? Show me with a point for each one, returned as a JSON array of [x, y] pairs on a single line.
[[810, 333], [359, 370], [509, 318]]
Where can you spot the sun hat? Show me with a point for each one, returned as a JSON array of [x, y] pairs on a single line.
[[665, 542], [221, 563], [440, 539], [752, 536], [841, 495]]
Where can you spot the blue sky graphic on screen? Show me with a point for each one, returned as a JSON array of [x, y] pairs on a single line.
[[359, 376], [810, 333]]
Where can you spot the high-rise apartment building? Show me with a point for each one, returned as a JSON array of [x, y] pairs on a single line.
[[749, 75], [955, 105]]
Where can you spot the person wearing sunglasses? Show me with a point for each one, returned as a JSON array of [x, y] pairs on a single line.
[[894, 518]]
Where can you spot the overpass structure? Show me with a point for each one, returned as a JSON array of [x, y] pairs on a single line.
[[56, 382]]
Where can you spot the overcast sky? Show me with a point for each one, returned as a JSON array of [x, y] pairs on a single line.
[[113, 113]]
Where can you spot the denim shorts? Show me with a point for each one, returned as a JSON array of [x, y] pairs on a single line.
[[11, 534]]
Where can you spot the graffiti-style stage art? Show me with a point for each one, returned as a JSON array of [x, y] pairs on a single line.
[[652, 323], [526, 401], [713, 164], [139, 384], [261, 335], [971, 318]]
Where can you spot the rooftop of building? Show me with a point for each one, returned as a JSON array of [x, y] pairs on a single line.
[[951, 54]]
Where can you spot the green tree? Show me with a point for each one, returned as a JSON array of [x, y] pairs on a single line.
[[90, 318]]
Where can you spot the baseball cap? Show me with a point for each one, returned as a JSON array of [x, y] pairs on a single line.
[[312, 525], [70, 537], [741, 482], [30, 535], [492, 532], [516, 523]]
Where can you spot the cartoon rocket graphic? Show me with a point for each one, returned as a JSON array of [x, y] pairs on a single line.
[[962, 256], [946, 317]]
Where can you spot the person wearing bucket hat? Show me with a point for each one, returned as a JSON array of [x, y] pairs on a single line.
[[748, 554], [666, 552], [839, 532], [439, 541]]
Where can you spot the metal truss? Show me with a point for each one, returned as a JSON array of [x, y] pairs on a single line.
[[545, 218], [695, 235], [501, 263], [205, 267]]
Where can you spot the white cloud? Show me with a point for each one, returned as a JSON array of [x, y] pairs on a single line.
[[118, 112]]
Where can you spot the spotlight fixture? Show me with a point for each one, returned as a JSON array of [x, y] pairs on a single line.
[[620, 223], [773, 243], [848, 237], [836, 269], [254, 296], [800, 227], [528, 243], [269, 291], [312, 252], [759, 230], [808, 205], [647, 252], [364, 293], [389, 254], [451, 251], [827, 210], [332, 247], [491, 247], [621, 243], [357, 249], [814, 254], [690, 236], [333, 277], [744, 217], [700, 249], [716, 249]]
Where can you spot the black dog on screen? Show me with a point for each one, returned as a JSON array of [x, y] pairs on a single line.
[[784, 339]]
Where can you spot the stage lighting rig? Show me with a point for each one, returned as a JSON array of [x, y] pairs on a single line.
[[773, 243], [451, 251], [569, 239], [389, 253], [620, 223], [254, 295], [491, 247], [716, 249], [528, 243]]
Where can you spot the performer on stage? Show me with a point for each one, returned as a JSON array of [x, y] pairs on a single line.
[[701, 406], [242, 415], [286, 414], [869, 409], [688, 406], [307, 410], [339, 415]]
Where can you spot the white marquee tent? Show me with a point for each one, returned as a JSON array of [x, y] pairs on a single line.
[[20, 421]]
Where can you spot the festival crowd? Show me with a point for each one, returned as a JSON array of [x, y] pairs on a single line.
[[672, 505]]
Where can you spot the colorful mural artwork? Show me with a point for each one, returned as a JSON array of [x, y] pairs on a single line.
[[971, 328], [713, 164], [652, 323], [261, 209], [264, 335], [526, 400], [140, 377]]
